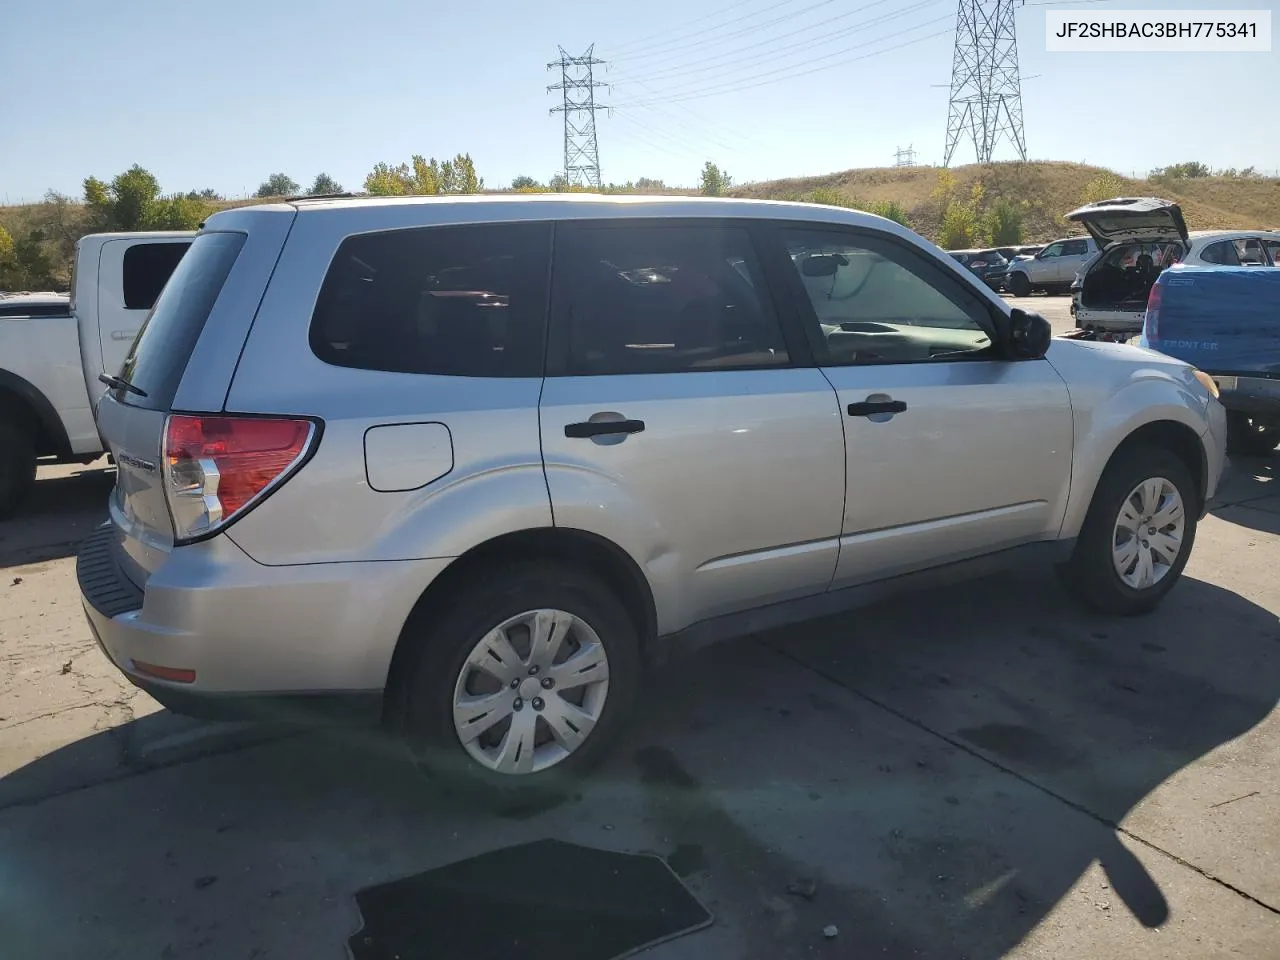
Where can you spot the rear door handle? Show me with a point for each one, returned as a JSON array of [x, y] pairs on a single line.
[[123, 334], [602, 428], [871, 407]]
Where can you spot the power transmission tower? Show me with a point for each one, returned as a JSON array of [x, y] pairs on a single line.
[[904, 158], [577, 82], [986, 90]]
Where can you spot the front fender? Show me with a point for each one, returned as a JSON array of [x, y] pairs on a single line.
[[1104, 420]]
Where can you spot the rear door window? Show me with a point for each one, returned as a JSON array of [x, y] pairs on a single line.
[[1249, 250], [467, 301], [147, 268], [159, 355], [660, 298], [1273, 248]]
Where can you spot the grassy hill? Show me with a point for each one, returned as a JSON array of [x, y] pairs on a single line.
[[1041, 191], [1044, 191]]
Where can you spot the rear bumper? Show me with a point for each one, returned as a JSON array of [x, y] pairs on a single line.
[[1255, 396], [262, 641]]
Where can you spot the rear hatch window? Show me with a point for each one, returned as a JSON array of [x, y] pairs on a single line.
[[159, 355]]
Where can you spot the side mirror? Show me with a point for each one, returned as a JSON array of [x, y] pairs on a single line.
[[1029, 334]]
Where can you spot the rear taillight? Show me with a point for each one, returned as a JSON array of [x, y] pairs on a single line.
[[1151, 324], [216, 466]]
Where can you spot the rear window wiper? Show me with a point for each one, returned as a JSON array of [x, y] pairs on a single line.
[[119, 384]]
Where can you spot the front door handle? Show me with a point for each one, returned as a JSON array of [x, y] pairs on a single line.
[[602, 428], [123, 334], [872, 407]]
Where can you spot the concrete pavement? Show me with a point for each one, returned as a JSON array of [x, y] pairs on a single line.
[[981, 773]]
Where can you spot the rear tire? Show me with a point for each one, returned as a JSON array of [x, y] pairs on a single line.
[[1142, 490], [17, 467], [1246, 437], [530, 743], [1019, 285]]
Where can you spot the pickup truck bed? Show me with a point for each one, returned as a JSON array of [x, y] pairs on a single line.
[[1226, 321]]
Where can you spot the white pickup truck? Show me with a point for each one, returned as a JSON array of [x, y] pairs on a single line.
[[54, 348]]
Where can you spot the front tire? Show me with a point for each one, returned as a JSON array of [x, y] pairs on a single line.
[[1019, 285], [1137, 535], [1247, 437], [17, 467], [522, 681]]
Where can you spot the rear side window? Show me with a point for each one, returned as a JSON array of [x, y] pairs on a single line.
[[636, 298], [467, 301], [1075, 248], [147, 268], [1223, 252], [168, 336]]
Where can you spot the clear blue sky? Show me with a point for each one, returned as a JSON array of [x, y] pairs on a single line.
[[222, 94]]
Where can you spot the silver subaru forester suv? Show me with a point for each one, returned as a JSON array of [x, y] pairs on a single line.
[[473, 463]]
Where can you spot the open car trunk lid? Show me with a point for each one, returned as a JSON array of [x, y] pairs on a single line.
[[1224, 320], [1127, 219]]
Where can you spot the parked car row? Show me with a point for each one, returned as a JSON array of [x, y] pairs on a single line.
[[1138, 239]]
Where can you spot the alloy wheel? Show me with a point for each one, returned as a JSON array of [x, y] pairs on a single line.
[[531, 691], [1149, 533]]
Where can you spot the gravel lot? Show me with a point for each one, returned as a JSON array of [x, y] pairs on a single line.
[[1024, 781]]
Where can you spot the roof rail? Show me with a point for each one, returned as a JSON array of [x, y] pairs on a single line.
[[324, 196]]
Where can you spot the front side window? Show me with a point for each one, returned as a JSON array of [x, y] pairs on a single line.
[[875, 302], [1053, 250], [466, 301], [636, 298], [1273, 248]]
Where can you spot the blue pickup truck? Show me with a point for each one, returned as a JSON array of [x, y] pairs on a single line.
[[1226, 322]]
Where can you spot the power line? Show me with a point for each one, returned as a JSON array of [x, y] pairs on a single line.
[[735, 33], [985, 105], [641, 41], [824, 24], [791, 74], [781, 53], [578, 86]]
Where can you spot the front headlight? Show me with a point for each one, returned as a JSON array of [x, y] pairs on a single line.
[[1207, 382]]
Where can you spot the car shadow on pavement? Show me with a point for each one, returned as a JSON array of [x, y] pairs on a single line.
[[1249, 494], [930, 777], [61, 511]]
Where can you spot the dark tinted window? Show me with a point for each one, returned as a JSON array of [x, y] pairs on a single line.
[[147, 268], [462, 301], [160, 353], [1075, 248], [34, 309], [663, 299], [1223, 252]]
